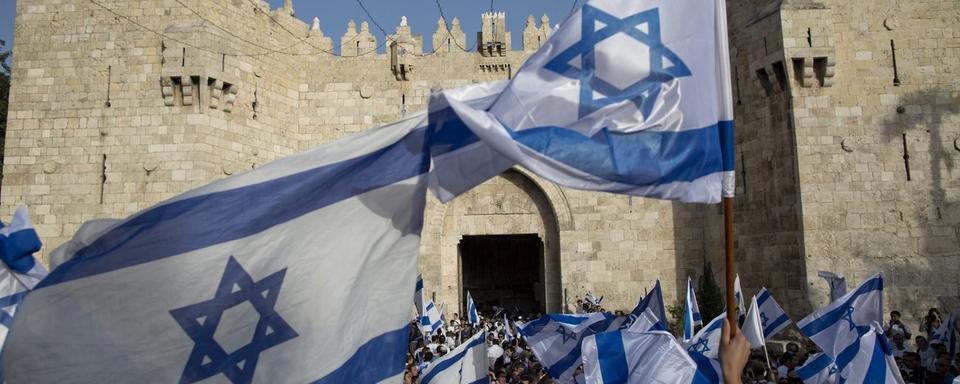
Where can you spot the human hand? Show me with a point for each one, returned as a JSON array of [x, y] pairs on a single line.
[[734, 354]]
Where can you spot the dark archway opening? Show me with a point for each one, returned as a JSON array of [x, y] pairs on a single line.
[[504, 271]]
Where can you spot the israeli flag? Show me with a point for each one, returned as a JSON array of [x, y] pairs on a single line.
[[652, 302], [772, 317], [738, 295], [646, 322], [946, 335], [507, 332], [432, 321], [472, 314], [556, 340], [624, 356], [819, 369], [839, 327], [837, 283], [465, 364], [244, 279], [418, 297], [691, 312], [704, 349], [629, 97], [873, 362], [752, 328], [19, 271]]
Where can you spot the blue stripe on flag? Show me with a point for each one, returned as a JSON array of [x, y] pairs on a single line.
[[18, 248], [627, 157], [613, 361], [830, 319], [877, 371], [776, 323], [812, 368], [10, 301], [705, 374], [727, 150], [762, 298], [573, 357], [378, 359], [171, 229], [451, 361]]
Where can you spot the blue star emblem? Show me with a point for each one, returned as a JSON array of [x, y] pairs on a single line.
[[643, 27], [200, 322], [763, 320], [701, 346], [567, 335], [849, 318]]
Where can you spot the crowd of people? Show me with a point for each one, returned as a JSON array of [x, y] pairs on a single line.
[[511, 361]]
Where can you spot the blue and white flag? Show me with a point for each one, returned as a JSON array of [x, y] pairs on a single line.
[[628, 97], [691, 312], [873, 362], [418, 297], [752, 325], [738, 295], [652, 302], [819, 369], [839, 327], [946, 335], [19, 271], [704, 349], [472, 314], [465, 364], [432, 320], [306, 259], [772, 317], [837, 283], [507, 332], [623, 356], [556, 339]]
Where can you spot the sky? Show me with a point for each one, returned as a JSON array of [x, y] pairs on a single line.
[[422, 15]]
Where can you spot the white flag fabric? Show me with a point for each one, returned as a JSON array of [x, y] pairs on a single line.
[[472, 314], [19, 270], [819, 369], [418, 297], [839, 327], [624, 356], [752, 328], [646, 322], [837, 283], [465, 364], [704, 349], [738, 295], [653, 302], [432, 321], [556, 340], [873, 362], [772, 317], [629, 97], [507, 332], [253, 277], [691, 312]]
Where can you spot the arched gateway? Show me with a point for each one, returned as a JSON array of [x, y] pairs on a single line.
[[500, 241]]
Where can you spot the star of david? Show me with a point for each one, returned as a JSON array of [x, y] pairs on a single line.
[[763, 319], [701, 346], [849, 318], [8, 307], [567, 335], [200, 322], [597, 26]]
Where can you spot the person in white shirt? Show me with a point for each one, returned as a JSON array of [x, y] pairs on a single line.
[[923, 349], [898, 347], [895, 326]]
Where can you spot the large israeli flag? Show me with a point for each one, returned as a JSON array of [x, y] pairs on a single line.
[[653, 304], [839, 327], [624, 356], [772, 317], [628, 97], [298, 271], [556, 340], [873, 362], [818, 369], [465, 364], [691, 312]]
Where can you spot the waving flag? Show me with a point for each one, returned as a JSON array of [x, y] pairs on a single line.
[[244, 278], [738, 295], [839, 327], [946, 335], [629, 97], [432, 321], [19, 272], [507, 333], [472, 314], [623, 356], [418, 297], [752, 328], [704, 349], [772, 317], [873, 362], [652, 302], [556, 340], [466, 363], [837, 283], [819, 369], [691, 312]]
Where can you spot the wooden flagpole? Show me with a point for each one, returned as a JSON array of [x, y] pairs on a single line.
[[731, 265]]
